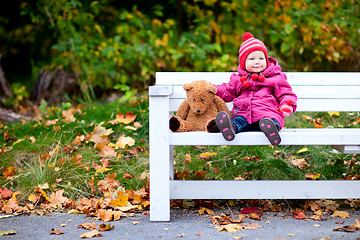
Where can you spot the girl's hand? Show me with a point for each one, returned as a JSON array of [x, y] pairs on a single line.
[[286, 108]]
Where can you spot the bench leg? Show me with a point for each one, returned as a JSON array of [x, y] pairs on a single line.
[[159, 159]]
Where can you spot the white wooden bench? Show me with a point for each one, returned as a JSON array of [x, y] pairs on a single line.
[[317, 92]]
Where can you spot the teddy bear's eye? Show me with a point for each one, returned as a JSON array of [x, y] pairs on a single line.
[[194, 100], [201, 100]]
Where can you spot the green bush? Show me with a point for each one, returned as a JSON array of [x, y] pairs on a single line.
[[109, 45]]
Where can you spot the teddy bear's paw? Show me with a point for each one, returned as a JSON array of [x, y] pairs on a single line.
[[174, 124], [211, 127]]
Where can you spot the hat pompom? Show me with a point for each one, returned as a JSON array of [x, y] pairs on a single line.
[[247, 35]]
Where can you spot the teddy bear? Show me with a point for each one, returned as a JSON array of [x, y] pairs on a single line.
[[198, 111]]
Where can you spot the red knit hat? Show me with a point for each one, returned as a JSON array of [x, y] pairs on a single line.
[[250, 45]]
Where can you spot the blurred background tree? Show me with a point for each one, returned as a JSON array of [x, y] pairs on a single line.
[[119, 45]]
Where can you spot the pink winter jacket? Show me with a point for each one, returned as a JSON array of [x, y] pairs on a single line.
[[261, 99]]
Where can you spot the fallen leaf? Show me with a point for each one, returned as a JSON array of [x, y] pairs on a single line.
[[100, 133], [51, 122], [105, 215], [180, 236], [69, 115], [317, 123], [32, 139], [94, 233], [298, 214], [300, 163], [128, 118], [56, 199], [10, 232], [231, 228], [207, 155], [11, 206], [105, 227], [131, 128], [127, 207], [305, 149], [121, 200], [312, 176], [135, 223], [249, 210], [334, 113], [342, 214], [123, 141], [202, 210], [108, 152], [5, 193], [56, 231], [18, 141], [188, 158], [329, 205], [9, 171], [108, 185], [349, 228], [309, 203], [256, 216], [87, 226], [316, 217], [251, 226], [128, 176], [79, 139]]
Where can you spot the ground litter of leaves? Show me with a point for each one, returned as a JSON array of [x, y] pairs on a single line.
[[117, 202]]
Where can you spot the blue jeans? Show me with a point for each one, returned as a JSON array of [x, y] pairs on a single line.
[[241, 124]]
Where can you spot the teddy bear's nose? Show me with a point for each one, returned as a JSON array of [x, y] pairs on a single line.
[[198, 111]]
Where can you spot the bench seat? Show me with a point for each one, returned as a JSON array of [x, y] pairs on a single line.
[[289, 136]]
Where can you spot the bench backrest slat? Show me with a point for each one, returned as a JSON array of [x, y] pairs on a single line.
[[319, 91], [294, 78]]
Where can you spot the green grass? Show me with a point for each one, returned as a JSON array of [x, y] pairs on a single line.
[[229, 162], [32, 170], [266, 162]]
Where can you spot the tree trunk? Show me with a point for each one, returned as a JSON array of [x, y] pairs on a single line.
[[53, 87], [4, 86], [9, 116]]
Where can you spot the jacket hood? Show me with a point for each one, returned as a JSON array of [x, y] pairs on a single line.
[[272, 69]]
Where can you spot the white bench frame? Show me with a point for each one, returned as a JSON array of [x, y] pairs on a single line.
[[317, 92]]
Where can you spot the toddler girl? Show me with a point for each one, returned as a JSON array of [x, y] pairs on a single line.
[[260, 93]]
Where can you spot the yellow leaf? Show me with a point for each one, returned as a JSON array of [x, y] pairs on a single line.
[[97, 27], [207, 155], [131, 128], [121, 200], [32, 198], [18, 141], [231, 228], [342, 214], [128, 207], [334, 113], [75, 211], [103, 170], [305, 149]]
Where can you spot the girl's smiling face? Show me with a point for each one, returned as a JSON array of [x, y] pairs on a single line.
[[255, 62]]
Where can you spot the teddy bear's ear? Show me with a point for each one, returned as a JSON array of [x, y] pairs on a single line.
[[187, 87], [212, 89]]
